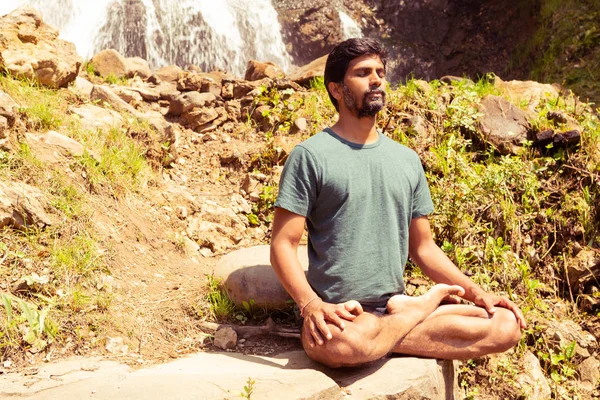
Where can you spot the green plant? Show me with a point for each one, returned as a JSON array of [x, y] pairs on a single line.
[[248, 389], [221, 306]]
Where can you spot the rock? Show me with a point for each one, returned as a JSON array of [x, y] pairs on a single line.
[[225, 338], [22, 206], [82, 87], [137, 66], [200, 116], [558, 117], [189, 100], [503, 125], [147, 94], [29, 48], [247, 275], [168, 74], [93, 117], [563, 333], [129, 96], [589, 372], [258, 70], [116, 346], [105, 94], [305, 74], [250, 184], [240, 204], [300, 125], [3, 130], [543, 138], [8, 109], [567, 139], [534, 384], [530, 92], [423, 86], [243, 88], [109, 63], [451, 79], [583, 269], [56, 139]]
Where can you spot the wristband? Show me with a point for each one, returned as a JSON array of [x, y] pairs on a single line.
[[307, 303]]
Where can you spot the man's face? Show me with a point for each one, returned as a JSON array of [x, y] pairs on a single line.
[[363, 87]]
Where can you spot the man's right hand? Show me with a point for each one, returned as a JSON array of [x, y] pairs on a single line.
[[318, 313]]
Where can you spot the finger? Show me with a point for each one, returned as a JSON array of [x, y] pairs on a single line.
[[324, 331], [336, 320], [451, 300], [489, 305]]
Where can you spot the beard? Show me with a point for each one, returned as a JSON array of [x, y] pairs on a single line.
[[368, 108]]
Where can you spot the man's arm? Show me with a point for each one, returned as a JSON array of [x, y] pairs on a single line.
[[435, 264], [287, 231]]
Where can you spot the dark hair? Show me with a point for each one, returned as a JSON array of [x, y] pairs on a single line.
[[340, 57]]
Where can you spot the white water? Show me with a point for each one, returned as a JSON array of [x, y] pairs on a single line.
[[212, 34], [350, 28]]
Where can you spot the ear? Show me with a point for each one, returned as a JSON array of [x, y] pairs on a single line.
[[336, 90]]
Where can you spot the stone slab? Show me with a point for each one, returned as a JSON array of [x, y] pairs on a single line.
[[223, 376]]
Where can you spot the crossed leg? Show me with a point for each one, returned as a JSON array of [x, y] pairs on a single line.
[[418, 326]]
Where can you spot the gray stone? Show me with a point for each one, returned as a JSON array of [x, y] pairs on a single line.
[[189, 100], [105, 94], [211, 376], [8, 108], [29, 48], [21, 206], [169, 73], [109, 63], [503, 125], [589, 372], [534, 384], [584, 268], [225, 338], [563, 333], [137, 66], [147, 93], [529, 92], [127, 95], [305, 74], [59, 140], [257, 70], [93, 117], [300, 125], [82, 87], [247, 275]]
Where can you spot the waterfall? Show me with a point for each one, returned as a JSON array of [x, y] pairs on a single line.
[[212, 34], [350, 28]]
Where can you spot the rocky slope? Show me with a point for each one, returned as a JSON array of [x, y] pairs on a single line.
[[120, 190]]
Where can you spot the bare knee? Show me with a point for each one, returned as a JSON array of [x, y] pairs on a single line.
[[507, 330], [347, 348]]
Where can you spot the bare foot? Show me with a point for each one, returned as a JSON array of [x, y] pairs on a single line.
[[426, 303]]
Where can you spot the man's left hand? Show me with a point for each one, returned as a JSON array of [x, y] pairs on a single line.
[[490, 301]]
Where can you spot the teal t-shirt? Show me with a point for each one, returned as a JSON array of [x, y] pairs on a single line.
[[358, 201]]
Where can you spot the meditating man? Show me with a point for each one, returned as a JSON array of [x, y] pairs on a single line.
[[365, 201]]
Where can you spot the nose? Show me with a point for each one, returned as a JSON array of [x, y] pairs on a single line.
[[375, 80]]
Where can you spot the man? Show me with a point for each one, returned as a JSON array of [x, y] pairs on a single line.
[[365, 201]]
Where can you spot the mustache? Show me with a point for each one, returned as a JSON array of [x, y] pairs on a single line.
[[375, 91]]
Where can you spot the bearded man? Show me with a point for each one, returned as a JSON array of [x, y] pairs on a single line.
[[365, 201]]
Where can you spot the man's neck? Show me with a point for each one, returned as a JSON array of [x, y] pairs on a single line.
[[356, 130]]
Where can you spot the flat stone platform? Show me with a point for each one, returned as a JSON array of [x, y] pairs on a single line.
[[223, 375]]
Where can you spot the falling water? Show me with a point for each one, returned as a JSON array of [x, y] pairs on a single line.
[[350, 28], [211, 34]]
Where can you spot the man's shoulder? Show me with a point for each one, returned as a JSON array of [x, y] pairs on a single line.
[[398, 148]]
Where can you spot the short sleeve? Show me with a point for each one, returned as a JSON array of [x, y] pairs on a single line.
[[298, 183], [421, 202]]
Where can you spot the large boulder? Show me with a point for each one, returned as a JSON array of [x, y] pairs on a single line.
[[502, 124], [529, 92], [22, 206], [257, 70], [29, 48], [247, 275], [188, 101], [310, 71], [109, 63]]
